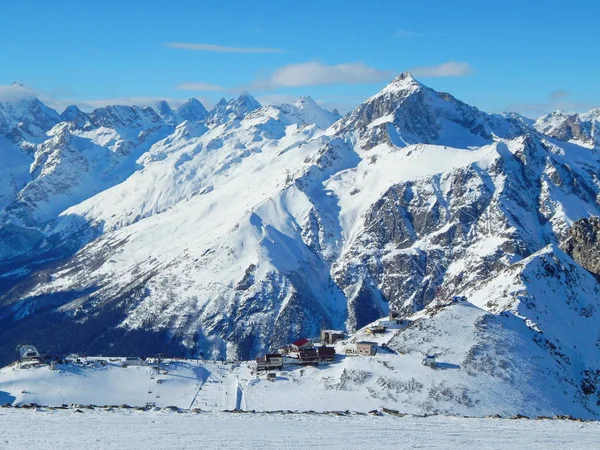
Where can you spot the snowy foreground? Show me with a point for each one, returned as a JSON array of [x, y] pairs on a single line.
[[163, 429]]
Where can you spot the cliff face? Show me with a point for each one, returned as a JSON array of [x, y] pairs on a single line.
[[583, 243]]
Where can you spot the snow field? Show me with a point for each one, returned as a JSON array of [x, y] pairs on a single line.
[[98, 429]]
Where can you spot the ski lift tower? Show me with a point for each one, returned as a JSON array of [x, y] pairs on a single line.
[[159, 359]]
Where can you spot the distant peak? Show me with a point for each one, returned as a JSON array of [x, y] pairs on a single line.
[[306, 99], [70, 113], [246, 97], [595, 112], [163, 104], [193, 101]]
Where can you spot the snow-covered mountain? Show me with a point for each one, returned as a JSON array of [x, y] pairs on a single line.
[[191, 110], [580, 128], [232, 232]]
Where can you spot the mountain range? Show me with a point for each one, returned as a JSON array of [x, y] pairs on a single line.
[[226, 233]]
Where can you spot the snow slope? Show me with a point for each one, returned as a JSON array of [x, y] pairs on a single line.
[[159, 430], [487, 364]]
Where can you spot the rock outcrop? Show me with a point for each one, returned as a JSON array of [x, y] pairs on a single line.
[[583, 243]]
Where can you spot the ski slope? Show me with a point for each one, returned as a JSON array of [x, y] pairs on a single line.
[[486, 365]]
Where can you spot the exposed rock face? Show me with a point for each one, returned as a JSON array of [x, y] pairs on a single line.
[[224, 110], [583, 243], [584, 128]]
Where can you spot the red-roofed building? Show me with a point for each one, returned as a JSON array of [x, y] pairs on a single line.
[[301, 344]]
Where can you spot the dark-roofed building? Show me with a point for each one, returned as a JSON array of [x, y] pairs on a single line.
[[308, 357], [269, 362], [377, 329], [326, 354]]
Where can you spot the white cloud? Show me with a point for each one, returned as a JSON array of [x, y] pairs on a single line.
[[315, 73], [199, 86], [448, 69], [220, 48]]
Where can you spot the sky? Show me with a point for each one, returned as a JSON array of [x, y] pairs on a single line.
[[526, 56]]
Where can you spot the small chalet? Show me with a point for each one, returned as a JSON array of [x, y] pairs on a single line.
[[331, 336], [429, 360], [326, 354], [365, 348], [301, 344], [132, 361], [271, 361], [28, 353], [308, 357]]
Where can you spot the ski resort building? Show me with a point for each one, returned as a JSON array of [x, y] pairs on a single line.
[[28, 353], [331, 336], [270, 362], [377, 329], [326, 354], [309, 357], [429, 360], [366, 348], [132, 361], [301, 344]]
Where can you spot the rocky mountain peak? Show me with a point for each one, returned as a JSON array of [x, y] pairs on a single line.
[[192, 110], [70, 113], [163, 109], [28, 115], [401, 86], [246, 102], [569, 126], [593, 114], [124, 116], [237, 108], [407, 112]]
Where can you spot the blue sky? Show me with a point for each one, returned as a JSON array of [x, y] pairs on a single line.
[[525, 55]]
